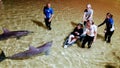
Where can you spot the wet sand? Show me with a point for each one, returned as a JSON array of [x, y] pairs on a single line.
[[28, 15]]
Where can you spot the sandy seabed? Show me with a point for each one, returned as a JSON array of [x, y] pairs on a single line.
[[28, 15]]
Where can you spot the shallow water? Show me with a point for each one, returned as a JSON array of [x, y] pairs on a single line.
[[28, 15]]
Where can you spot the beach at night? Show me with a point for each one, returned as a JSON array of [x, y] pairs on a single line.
[[28, 15]]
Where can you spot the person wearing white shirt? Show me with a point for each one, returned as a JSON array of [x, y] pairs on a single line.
[[90, 34]]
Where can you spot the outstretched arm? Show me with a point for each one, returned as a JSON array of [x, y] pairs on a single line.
[[102, 23], [84, 19], [51, 17], [95, 36], [44, 10], [95, 32]]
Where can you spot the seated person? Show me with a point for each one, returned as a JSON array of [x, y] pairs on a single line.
[[76, 34]]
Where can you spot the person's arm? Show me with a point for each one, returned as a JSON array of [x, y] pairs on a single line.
[[95, 32], [80, 32], [75, 29], [44, 10], [102, 23], [52, 12], [95, 36], [51, 17], [91, 15], [84, 18], [84, 32]]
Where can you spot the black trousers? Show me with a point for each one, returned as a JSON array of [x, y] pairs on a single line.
[[88, 39], [108, 36], [85, 23], [47, 23]]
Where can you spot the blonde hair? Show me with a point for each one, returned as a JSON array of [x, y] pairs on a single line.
[[89, 6]]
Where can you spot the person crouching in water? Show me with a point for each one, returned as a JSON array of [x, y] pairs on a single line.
[[74, 36], [109, 29], [91, 34]]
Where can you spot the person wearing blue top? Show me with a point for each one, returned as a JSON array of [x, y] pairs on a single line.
[[49, 13], [109, 30]]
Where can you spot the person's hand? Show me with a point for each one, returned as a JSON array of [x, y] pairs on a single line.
[[94, 39], [105, 31], [77, 33], [49, 20]]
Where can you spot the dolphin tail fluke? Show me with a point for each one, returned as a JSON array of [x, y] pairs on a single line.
[[2, 56]]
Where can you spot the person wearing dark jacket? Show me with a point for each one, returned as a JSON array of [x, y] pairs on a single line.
[[90, 33], [74, 36], [109, 29]]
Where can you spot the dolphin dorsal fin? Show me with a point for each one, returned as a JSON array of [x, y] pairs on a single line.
[[32, 48], [5, 30]]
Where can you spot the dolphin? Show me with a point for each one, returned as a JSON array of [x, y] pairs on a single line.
[[32, 51], [13, 34]]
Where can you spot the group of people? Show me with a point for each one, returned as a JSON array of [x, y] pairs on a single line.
[[86, 32]]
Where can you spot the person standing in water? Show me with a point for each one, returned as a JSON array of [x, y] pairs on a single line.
[[88, 14], [90, 34], [49, 13], [109, 29]]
